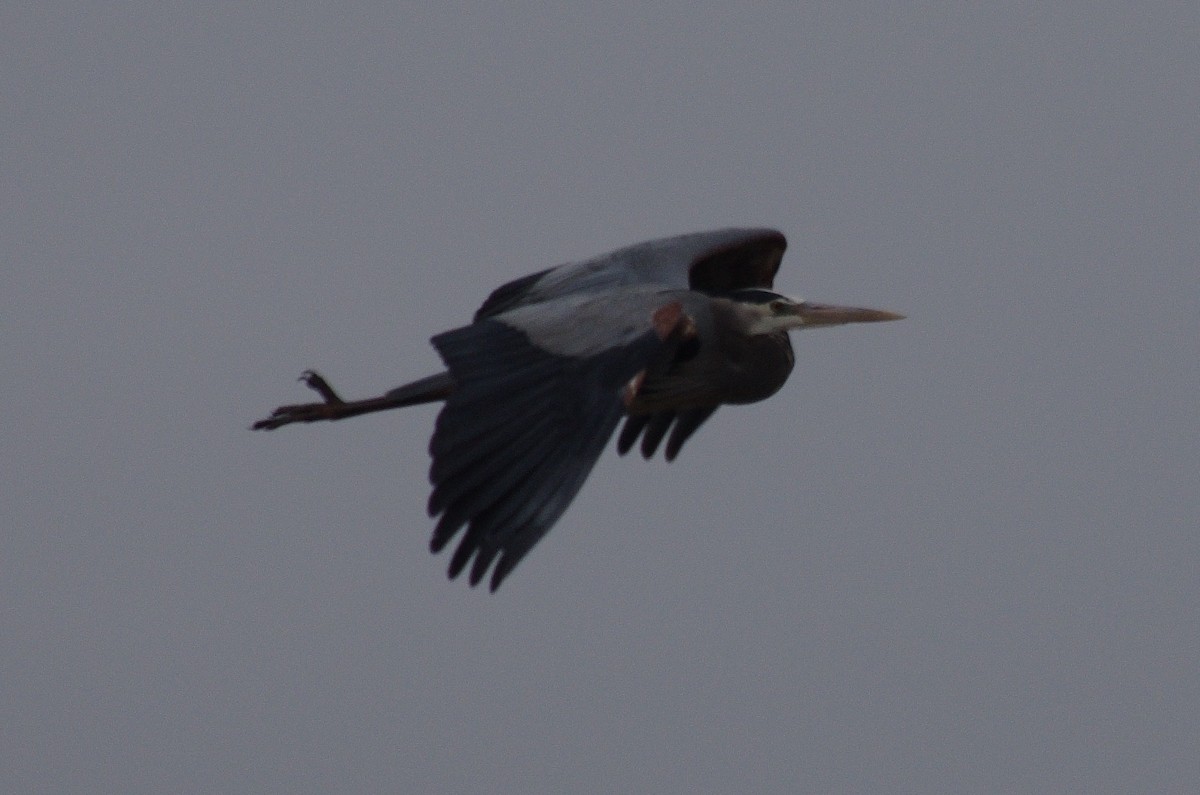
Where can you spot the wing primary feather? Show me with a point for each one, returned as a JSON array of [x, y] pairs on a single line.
[[634, 423], [518, 437], [686, 424], [522, 501], [660, 423], [540, 499], [508, 561], [462, 554], [515, 522], [484, 556], [469, 435], [514, 551], [446, 529], [509, 460], [475, 488]]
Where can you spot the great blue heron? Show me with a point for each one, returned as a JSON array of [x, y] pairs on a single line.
[[661, 333]]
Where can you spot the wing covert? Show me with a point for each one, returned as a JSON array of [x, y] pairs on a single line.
[[712, 262]]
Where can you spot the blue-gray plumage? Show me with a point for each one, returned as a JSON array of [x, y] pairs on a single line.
[[660, 333]]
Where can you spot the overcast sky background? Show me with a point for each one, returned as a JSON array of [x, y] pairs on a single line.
[[955, 554]]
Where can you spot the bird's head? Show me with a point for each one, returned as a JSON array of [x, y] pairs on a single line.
[[770, 312]]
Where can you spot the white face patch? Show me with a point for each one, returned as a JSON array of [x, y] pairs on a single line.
[[766, 320]]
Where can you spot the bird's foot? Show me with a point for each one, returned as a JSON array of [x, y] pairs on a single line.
[[305, 412], [316, 382]]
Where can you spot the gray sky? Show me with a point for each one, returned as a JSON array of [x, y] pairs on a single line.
[[954, 554]]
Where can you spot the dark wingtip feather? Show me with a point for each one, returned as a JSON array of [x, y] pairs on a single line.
[[483, 559], [447, 527], [630, 432], [687, 424], [545, 417], [655, 431], [504, 567], [463, 553]]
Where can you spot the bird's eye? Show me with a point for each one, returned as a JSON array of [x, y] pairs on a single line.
[[777, 306]]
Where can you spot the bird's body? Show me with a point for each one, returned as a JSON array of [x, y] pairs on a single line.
[[660, 333]]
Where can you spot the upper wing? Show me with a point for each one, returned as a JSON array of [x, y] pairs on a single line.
[[538, 393], [709, 262]]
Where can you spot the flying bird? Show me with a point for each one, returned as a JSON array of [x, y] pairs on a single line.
[[660, 333]]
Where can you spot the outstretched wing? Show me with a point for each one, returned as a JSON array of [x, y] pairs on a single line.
[[708, 262], [537, 395]]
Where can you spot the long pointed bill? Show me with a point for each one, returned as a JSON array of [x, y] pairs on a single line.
[[829, 315]]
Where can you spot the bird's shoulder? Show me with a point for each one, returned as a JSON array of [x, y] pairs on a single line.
[[586, 324], [711, 262]]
